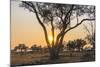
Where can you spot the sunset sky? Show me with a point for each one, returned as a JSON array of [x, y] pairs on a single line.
[[26, 29]]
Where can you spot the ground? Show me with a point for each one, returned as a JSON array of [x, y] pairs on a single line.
[[18, 59]]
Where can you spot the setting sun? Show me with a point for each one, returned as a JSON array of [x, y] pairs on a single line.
[[50, 38]]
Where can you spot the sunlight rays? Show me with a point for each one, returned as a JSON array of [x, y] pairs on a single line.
[[51, 39]]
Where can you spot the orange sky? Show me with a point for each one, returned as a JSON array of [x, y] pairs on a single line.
[[25, 28]]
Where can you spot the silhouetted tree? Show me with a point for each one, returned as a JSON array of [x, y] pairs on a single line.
[[91, 33], [21, 48], [25, 49], [60, 17], [76, 44], [40, 48], [71, 45], [16, 48], [80, 43], [36, 48]]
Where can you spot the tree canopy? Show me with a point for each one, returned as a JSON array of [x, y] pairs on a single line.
[[59, 16]]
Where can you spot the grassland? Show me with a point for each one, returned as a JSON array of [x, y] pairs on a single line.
[[38, 58]]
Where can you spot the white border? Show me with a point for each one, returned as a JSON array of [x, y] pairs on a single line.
[[5, 33], [84, 2]]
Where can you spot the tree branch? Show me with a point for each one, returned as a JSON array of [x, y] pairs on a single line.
[[87, 29], [78, 24], [64, 24], [66, 16], [40, 22]]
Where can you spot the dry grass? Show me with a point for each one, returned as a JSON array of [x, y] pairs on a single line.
[[38, 58]]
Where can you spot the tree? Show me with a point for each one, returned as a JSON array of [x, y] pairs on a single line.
[[36, 48], [91, 33], [16, 48], [71, 45], [80, 43], [21, 47], [33, 48], [60, 17], [76, 44]]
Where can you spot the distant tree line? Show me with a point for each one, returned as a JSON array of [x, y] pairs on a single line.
[[74, 45]]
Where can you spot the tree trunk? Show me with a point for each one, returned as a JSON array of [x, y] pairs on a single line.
[[52, 30], [53, 54]]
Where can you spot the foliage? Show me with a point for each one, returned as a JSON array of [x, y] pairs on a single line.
[[36, 48], [78, 44], [21, 48]]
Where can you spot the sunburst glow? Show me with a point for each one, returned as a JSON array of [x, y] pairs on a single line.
[[50, 39]]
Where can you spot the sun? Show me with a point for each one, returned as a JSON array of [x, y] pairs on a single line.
[[50, 39]]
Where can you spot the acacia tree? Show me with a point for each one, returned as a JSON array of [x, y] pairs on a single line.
[[36, 48], [91, 33], [60, 17], [78, 44], [21, 47], [71, 45]]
